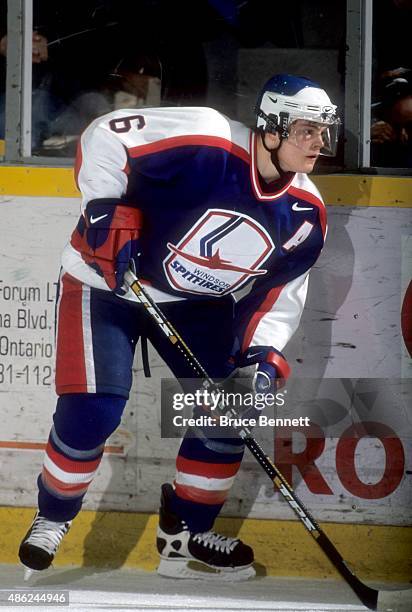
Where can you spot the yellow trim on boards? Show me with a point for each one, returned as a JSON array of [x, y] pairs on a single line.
[[37, 181], [282, 548], [336, 189], [362, 190]]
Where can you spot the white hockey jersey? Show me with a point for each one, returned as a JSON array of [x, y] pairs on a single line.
[[212, 227]]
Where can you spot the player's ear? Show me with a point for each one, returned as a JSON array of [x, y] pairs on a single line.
[[272, 140]]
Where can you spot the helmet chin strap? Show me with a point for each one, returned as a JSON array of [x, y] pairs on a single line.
[[274, 157]]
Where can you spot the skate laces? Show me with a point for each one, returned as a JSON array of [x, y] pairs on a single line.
[[47, 534], [218, 542]]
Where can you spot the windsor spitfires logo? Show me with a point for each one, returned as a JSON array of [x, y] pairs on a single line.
[[219, 254]]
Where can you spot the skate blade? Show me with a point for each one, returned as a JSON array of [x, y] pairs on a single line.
[[186, 568], [28, 573]]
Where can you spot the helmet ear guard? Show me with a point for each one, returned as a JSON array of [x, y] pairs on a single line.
[[273, 124], [271, 120]]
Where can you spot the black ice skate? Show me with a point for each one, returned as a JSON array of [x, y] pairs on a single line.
[[40, 544], [198, 555]]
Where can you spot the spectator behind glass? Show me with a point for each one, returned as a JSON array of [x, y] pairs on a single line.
[[42, 104], [74, 50], [79, 47], [392, 23], [136, 81], [391, 130]]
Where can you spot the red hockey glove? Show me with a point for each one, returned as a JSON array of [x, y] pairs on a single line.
[[107, 238], [272, 369]]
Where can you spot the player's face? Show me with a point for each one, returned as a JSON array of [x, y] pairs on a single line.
[[300, 151]]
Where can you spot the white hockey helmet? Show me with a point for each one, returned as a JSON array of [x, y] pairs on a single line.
[[285, 98]]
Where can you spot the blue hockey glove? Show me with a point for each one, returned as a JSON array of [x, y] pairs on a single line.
[[272, 370], [107, 238]]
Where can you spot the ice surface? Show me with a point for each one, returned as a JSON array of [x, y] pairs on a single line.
[[124, 590]]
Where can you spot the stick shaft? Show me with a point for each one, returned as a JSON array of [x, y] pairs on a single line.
[[367, 595]]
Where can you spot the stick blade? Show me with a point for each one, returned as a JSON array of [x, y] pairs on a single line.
[[367, 595], [395, 601]]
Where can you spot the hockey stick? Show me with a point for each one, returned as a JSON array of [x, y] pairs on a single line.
[[368, 596]]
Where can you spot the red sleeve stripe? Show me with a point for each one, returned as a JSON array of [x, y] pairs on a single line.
[[208, 470], [77, 163], [309, 197], [200, 496], [265, 307], [182, 141]]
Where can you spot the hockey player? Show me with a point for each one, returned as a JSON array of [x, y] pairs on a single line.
[[202, 207]]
